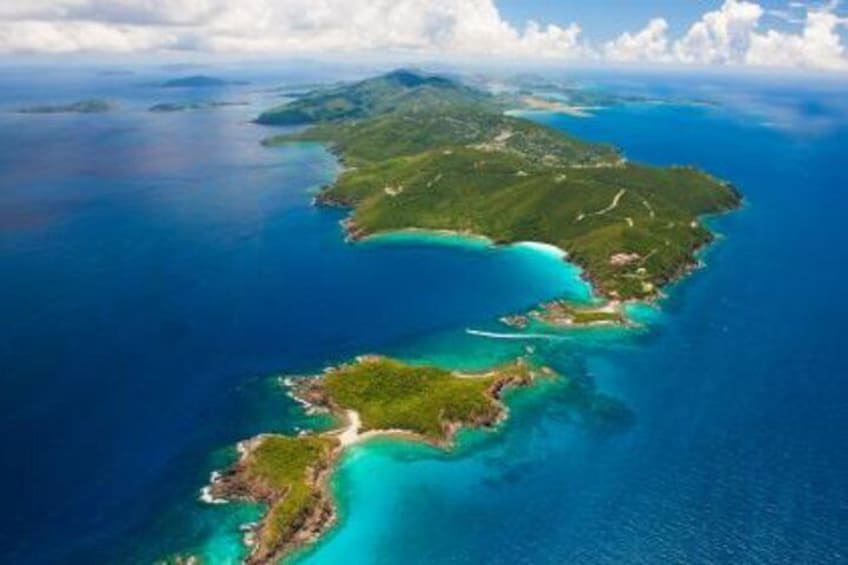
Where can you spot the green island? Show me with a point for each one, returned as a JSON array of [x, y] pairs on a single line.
[[372, 396], [90, 106], [427, 401], [561, 313], [425, 152], [396, 91]]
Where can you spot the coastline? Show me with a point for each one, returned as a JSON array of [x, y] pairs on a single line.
[[545, 248], [599, 300], [350, 434], [424, 235], [452, 237], [355, 234]]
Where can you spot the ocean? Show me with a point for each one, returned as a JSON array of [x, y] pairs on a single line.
[[161, 270]]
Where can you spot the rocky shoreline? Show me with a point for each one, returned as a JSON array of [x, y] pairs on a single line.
[[237, 484]]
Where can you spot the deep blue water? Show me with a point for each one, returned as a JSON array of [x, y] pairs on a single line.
[[156, 268]]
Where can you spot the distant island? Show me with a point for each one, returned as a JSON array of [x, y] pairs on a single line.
[[188, 106], [425, 152], [387, 94], [89, 106], [198, 81]]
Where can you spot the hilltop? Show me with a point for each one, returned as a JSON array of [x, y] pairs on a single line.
[[396, 91]]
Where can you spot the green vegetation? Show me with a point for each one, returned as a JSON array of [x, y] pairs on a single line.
[[395, 91], [416, 133], [285, 470], [388, 394], [90, 106], [562, 313], [433, 154], [594, 317]]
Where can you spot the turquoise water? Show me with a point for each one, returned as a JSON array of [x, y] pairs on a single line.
[[160, 271]]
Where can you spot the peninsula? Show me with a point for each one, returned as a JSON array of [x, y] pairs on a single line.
[[427, 152]]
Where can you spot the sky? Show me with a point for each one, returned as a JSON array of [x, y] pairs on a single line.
[[787, 34]]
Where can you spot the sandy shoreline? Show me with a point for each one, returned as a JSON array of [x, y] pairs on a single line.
[[447, 236], [350, 434], [546, 248], [452, 236]]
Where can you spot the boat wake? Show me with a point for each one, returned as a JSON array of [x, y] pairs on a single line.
[[498, 335]]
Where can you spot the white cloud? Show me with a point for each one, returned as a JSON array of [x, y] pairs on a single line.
[[51, 37], [734, 34], [462, 27], [649, 44], [720, 36], [817, 46]]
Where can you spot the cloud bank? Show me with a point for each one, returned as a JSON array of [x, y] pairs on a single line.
[[733, 34], [456, 27]]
